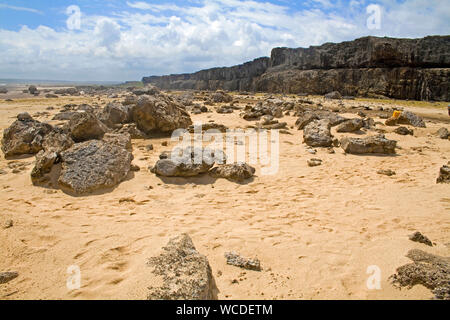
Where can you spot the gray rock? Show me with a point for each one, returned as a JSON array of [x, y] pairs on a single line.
[[412, 119], [185, 165], [236, 260], [159, 113], [120, 140], [443, 133], [93, 165], [386, 172], [32, 89], [237, 172], [85, 126], [132, 130], [318, 134], [115, 113], [350, 125], [418, 237], [404, 131], [185, 273], [221, 96], [24, 136], [374, 144], [305, 119], [431, 271], [44, 163], [57, 141]]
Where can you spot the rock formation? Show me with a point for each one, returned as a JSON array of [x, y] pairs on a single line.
[[416, 69]]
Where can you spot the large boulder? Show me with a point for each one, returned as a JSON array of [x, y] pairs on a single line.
[[93, 165], [159, 113], [350, 125], [318, 134], [85, 126], [24, 136], [412, 119], [189, 162], [237, 172], [121, 140], [305, 119], [115, 113], [373, 144], [185, 273], [32, 90]]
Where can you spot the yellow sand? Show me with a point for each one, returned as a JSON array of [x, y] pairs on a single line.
[[315, 230]]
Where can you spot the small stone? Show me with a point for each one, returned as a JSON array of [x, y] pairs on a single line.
[[314, 162], [386, 172], [7, 276], [418, 237], [236, 260]]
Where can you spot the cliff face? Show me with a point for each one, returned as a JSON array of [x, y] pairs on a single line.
[[399, 68]]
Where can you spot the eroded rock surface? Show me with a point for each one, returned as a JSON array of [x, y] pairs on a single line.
[[374, 144], [186, 274]]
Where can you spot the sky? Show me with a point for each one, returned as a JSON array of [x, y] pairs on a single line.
[[119, 40]]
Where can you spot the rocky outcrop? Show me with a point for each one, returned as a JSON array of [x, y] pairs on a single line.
[[185, 273], [85, 126], [416, 69], [350, 125]]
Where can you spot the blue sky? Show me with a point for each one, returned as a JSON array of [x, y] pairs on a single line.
[[125, 40]]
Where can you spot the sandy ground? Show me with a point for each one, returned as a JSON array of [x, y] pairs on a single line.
[[315, 230]]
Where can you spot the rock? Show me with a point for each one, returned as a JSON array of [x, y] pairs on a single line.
[[51, 96], [236, 260], [115, 113], [412, 119], [159, 113], [44, 163], [444, 174], [185, 273], [305, 119], [221, 96], [93, 165], [350, 125], [431, 271], [237, 172], [373, 144], [404, 131], [135, 168], [391, 121], [386, 172], [57, 141], [3, 90], [117, 139], [333, 95], [149, 147], [148, 90], [9, 223], [64, 115], [318, 134], [85, 126], [6, 277], [32, 89], [132, 130], [210, 126], [185, 165], [314, 162], [24, 136], [418, 237], [443, 133]]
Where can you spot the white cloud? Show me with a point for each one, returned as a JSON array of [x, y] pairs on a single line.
[[6, 6], [160, 39]]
